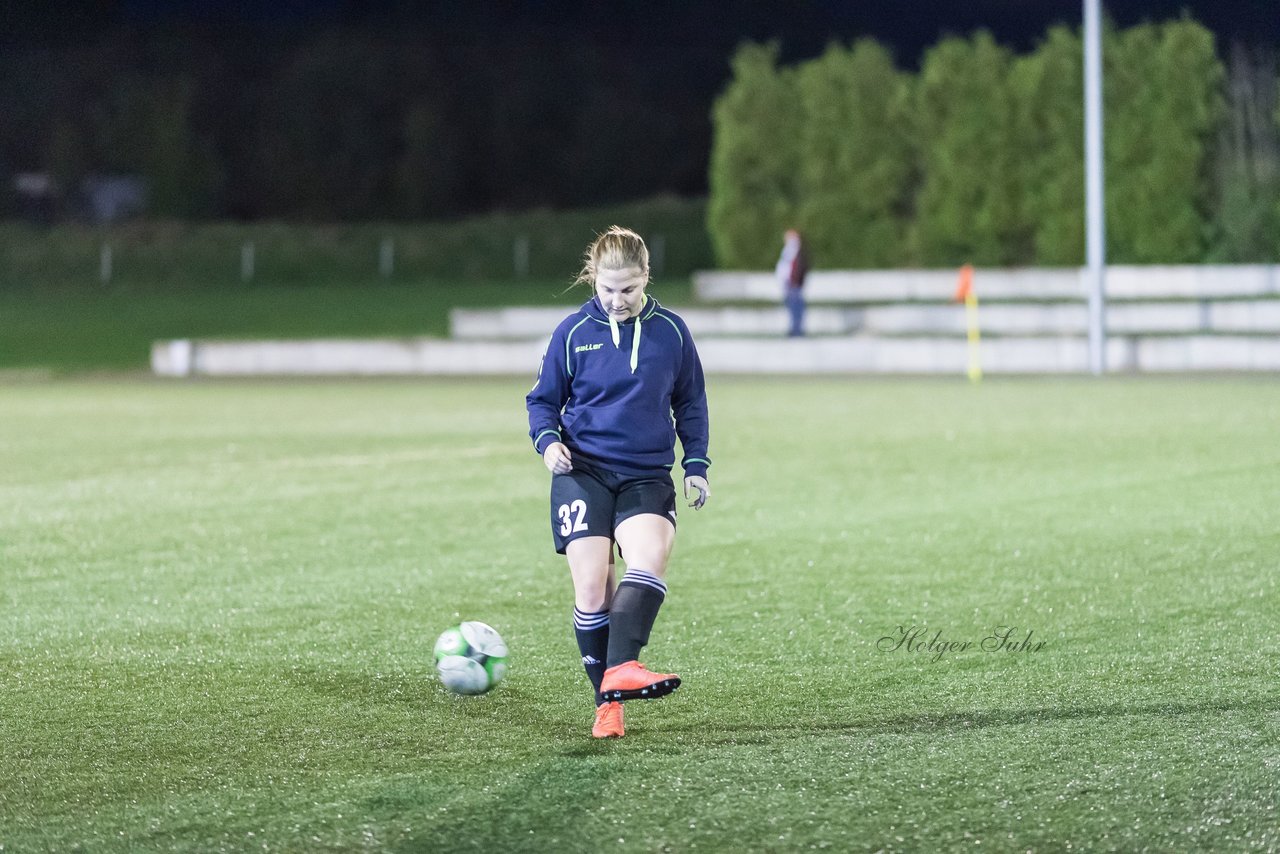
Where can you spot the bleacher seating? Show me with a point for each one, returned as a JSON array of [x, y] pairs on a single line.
[[1175, 318]]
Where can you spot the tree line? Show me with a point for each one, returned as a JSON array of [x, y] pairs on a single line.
[[979, 155], [360, 122]]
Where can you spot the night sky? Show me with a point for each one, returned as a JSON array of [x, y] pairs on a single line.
[[803, 27]]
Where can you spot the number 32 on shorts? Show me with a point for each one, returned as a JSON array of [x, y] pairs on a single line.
[[573, 517]]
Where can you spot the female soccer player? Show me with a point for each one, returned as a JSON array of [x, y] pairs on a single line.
[[614, 374]]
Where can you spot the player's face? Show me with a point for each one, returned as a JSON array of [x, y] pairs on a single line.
[[621, 292]]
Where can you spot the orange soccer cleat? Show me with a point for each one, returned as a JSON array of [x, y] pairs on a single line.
[[608, 721], [631, 681]]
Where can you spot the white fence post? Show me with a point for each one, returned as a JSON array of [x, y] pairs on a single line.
[[387, 257], [104, 263], [521, 253], [246, 261]]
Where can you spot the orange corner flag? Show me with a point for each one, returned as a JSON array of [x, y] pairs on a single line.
[[967, 295], [965, 286]]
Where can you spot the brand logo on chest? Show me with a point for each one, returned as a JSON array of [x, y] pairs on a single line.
[[586, 348]]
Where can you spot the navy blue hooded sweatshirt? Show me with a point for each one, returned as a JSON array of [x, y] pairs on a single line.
[[612, 401]]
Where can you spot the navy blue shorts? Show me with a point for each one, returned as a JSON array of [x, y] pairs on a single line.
[[590, 501]]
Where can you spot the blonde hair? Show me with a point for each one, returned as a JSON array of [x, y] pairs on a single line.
[[616, 249]]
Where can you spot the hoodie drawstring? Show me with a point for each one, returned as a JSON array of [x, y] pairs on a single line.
[[635, 346], [635, 341]]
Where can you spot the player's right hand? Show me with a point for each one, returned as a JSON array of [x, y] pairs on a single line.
[[557, 458]]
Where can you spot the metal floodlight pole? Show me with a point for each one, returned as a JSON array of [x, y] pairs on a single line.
[[1095, 229]]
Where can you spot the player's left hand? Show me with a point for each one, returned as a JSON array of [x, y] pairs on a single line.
[[700, 484]]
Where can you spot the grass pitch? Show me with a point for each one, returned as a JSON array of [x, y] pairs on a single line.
[[218, 603]]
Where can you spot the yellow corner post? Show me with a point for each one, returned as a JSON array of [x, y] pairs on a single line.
[[966, 292]]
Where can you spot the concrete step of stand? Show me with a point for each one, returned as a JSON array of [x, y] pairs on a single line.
[[1006, 319], [1123, 282], [818, 355]]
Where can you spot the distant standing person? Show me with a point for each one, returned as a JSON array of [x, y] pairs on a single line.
[[620, 380], [792, 268]]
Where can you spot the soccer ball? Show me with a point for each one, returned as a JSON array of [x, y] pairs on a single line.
[[471, 658]]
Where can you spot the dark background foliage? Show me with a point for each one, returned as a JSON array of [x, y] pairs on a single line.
[[323, 110]]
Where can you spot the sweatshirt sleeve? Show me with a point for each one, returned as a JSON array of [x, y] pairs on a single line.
[[689, 405], [549, 394]]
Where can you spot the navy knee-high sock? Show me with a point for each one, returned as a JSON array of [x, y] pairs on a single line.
[[635, 607], [592, 631]]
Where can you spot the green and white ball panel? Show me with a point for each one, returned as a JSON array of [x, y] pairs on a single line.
[[463, 675], [451, 642], [483, 639]]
